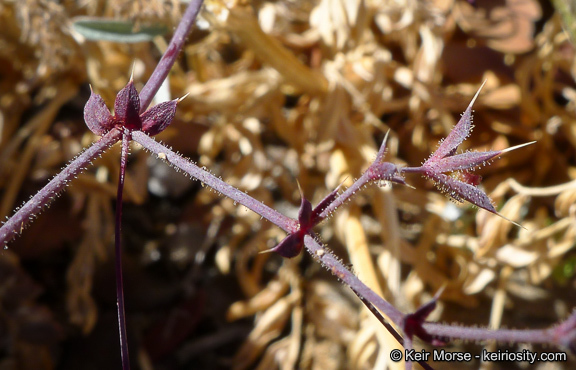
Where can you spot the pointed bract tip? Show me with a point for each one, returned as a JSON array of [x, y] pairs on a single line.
[[440, 291], [516, 147], [382, 149], [386, 136], [509, 220], [476, 95], [300, 189], [183, 97], [132, 71], [410, 186], [266, 251]]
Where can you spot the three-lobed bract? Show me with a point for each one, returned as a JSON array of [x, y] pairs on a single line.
[[137, 126], [464, 185], [127, 113]]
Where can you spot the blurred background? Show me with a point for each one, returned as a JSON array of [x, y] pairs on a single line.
[[283, 92]]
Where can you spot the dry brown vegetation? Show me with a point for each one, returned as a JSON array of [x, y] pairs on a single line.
[[281, 92]]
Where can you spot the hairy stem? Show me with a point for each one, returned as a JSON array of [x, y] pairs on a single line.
[[14, 225], [378, 171], [286, 223], [326, 258], [342, 198], [336, 267], [544, 336], [169, 57], [118, 254], [412, 170], [26, 214]]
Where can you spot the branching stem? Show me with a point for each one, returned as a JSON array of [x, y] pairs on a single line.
[[26, 214], [286, 223], [118, 254], [444, 160], [169, 57]]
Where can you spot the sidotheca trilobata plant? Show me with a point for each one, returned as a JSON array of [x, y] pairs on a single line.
[[451, 171]]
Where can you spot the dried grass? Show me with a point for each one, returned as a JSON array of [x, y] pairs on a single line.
[[279, 92]]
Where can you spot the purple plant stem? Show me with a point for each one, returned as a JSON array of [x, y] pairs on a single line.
[[286, 223], [169, 58], [336, 267], [368, 297], [378, 170], [26, 214], [412, 170], [408, 345], [325, 257], [380, 317], [342, 198], [118, 254], [357, 185], [545, 336]]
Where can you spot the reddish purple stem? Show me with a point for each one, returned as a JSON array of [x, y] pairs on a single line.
[[443, 160], [336, 267], [550, 336], [286, 223], [118, 253], [169, 57], [26, 214]]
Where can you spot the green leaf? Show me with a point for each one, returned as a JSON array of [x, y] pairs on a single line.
[[116, 30], [565, 270]]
